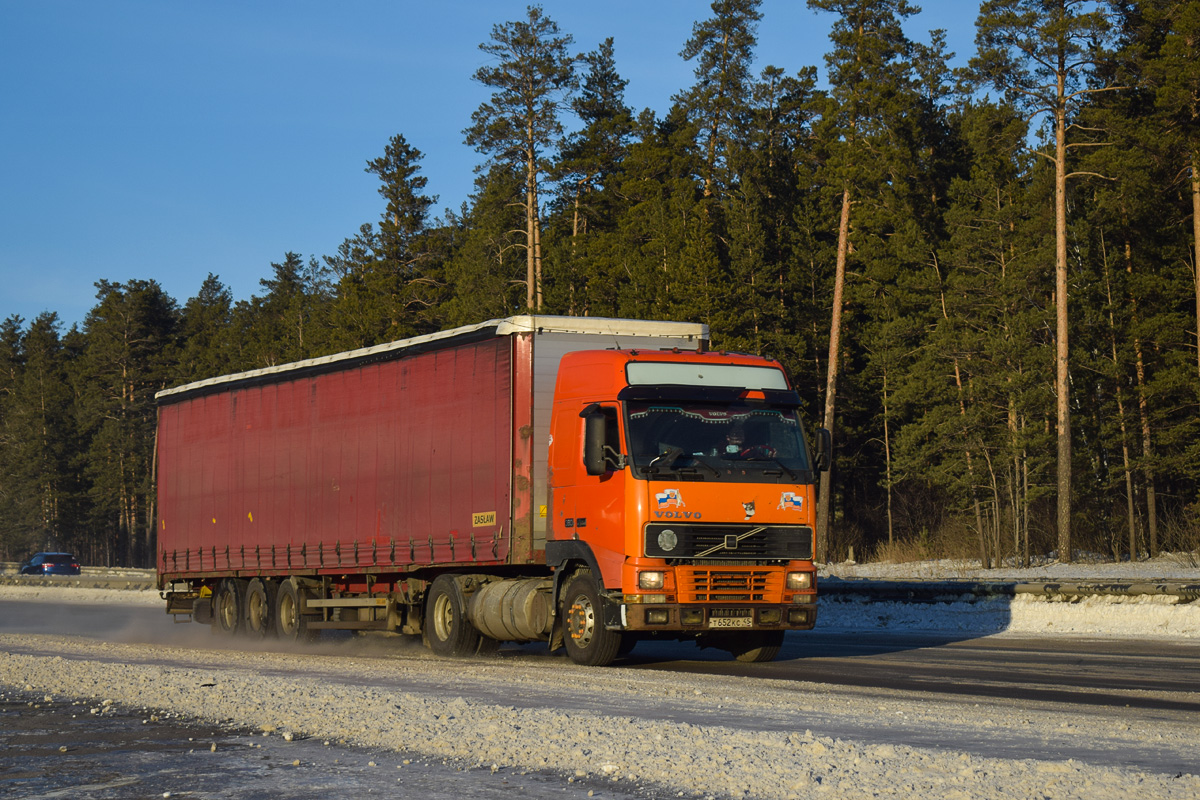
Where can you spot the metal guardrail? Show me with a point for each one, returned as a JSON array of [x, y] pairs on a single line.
[[946, 591]]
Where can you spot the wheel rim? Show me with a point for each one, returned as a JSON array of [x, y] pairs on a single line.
[[287, 613], [228, 610], [256, 611], [581, 621], [443, 617]]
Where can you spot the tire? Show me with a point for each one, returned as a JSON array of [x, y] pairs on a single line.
[[756, 647], [588, 642], [289, 621], [448, 632], [229, 605], [261, 597]]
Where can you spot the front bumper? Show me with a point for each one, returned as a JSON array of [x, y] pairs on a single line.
[[710, 618]]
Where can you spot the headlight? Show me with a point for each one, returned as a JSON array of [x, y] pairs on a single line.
[[799, 581], [650, 580]]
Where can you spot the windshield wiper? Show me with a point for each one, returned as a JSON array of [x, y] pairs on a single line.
[[782, 466], [668, 458], [702, 461]]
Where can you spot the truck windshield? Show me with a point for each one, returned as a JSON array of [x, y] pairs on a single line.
[[716, 441]]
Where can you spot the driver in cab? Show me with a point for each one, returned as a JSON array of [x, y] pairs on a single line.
[[737, 448]]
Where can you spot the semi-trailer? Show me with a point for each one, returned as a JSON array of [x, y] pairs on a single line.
[[580, 481]]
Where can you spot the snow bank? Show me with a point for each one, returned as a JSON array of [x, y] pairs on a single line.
[[1167, 567], [1133, 617]]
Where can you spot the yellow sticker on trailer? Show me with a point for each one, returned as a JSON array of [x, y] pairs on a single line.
[[483, 519]]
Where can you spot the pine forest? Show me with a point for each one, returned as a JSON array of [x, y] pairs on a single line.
[[983, 279]]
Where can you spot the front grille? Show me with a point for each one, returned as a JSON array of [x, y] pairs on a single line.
[[729, 586], [729, 542]]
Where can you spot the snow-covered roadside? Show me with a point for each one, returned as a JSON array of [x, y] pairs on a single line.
[[450, 710], [59, 594], [1169, 566], [1133, 617], [462, 710]]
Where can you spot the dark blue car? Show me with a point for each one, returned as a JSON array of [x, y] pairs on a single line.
[[51, 564]]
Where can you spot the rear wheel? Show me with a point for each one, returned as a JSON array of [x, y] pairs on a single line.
[[448, 632], [260, 599], [291, 623], [228, 605], [756, 647], [588, 641]]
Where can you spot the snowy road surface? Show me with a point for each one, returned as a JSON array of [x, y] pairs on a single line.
[[672, 721]]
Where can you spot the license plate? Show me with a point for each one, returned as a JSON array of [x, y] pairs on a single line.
[[731, 622]]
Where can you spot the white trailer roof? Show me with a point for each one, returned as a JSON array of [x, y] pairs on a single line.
[[508, 326]]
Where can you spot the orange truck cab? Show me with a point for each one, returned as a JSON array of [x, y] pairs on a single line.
[[681, 495]]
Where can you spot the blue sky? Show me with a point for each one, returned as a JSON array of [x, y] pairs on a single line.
[[165, 140]]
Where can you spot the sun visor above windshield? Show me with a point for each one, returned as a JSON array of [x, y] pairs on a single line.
[[713, 394], [739, 376]]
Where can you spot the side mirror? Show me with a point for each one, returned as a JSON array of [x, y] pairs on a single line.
[[593, 440], [824, 449]]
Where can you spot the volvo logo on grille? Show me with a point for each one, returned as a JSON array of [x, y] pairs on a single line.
[[731, 542]]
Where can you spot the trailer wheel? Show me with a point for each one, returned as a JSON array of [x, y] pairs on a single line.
[[448, 632], [261, 597], [228, 605], [290, 622], [756, 647], [588, 641]]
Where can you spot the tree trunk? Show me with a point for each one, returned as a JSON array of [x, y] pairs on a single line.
[[1144, 412], [887, 461], [1125, 459], [533, 289], [1062, 376], [984, 561], [1196, 244], [835, 333]]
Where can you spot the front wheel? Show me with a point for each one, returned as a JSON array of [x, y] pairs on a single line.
[[588, 642]]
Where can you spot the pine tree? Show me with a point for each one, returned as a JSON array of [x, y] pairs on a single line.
[[206, 347], [519, 126], [128, 356], [289, 322], [589, 159], [1166, 37], [12, 541], [647, 267], [486, 270], [1040, 53], [389, 284], [723, 49], [39, 417], [868, 68]]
